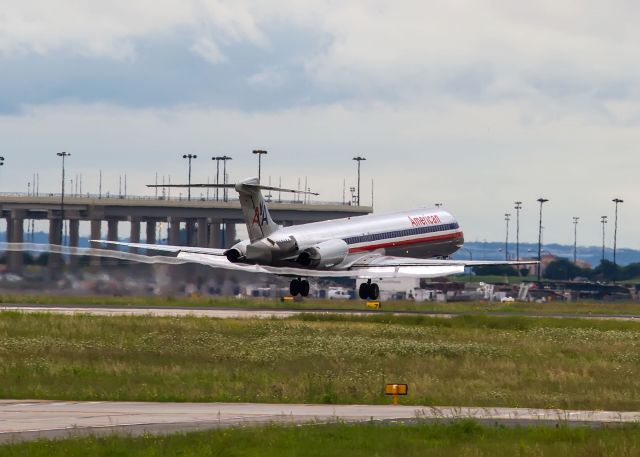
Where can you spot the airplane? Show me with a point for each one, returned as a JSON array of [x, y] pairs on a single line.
[[414, 243]]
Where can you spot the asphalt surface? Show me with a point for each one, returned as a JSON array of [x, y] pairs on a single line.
[[22, 420], [221, 312]]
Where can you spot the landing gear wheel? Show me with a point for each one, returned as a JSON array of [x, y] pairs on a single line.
[[374, 291], [304, 288], [363, 291], [294, 287]]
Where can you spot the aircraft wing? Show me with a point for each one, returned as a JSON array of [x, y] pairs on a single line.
[[369, 260], [369, 266], [165, 247]]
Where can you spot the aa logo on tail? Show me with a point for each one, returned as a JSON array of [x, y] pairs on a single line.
[[260, 215]]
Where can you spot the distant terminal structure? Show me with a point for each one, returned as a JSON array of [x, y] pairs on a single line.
[[207, 222]]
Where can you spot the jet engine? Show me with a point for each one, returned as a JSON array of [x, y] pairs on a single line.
[[324, 255], [238, 252]]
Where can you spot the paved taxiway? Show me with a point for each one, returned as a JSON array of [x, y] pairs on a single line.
[[25, 420], [228, 313]]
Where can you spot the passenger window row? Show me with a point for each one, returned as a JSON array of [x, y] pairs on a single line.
[[401, 233]]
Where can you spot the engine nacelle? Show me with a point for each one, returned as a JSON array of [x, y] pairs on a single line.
[[237, 253], [324, 255]]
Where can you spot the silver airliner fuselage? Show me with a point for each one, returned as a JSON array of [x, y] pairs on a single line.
[[424, 232]]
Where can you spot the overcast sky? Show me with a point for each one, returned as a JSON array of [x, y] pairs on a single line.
[[475, 104]]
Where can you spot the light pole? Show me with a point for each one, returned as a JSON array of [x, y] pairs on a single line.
[[507, 218], [64, 155], [518, 207], [224, 174], [541, 201], [1, 161], [603, 220], [615, 228], [217, 159], [189, 157], [260, 153], [358, 159], [575, 238]]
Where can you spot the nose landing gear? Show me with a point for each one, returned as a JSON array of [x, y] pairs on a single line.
[[369, 291], [299, 287]]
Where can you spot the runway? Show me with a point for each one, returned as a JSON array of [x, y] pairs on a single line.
[[268, 313], [22, 420]]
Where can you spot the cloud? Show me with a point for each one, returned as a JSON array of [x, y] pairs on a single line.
[[268, 77], [208, 50], [372, 50], [111, 29]]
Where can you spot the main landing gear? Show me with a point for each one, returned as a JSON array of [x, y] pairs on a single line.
[[369, 291], [299, 287]]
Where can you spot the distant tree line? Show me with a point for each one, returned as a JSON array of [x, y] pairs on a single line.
[[565, 270]]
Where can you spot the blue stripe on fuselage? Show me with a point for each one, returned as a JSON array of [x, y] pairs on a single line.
[[400, 233]]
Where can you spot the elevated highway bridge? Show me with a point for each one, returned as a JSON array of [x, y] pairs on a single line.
[[208, 222]]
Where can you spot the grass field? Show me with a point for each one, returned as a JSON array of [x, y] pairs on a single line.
[[464, 438], [585, 307], [470, 360]]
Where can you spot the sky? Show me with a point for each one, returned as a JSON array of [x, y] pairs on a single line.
[[475, 104]]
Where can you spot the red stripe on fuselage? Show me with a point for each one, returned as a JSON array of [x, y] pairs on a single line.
[[390, 244]]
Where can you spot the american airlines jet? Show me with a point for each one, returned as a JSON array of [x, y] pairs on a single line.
[[411, 243]]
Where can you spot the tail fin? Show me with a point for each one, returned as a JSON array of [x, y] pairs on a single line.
[[254, 208], [255, 211]]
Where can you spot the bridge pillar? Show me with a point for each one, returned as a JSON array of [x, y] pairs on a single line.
[[134, 236], [96, 234], [55, 260], [151, 232], [174, 231], [112, 230], [229, 234], [15, 258], [191, 232], [214, 235], [112, 235], [74, 239], [203, 232], [9, 229]]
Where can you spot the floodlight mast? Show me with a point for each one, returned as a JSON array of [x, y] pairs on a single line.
[[615, 228], [217, 159], [518, 207], [575, 239], [63, 155], [189, 157], [224, 159], [259, 153], [507, 218], [541, 201], [603, 220], [359, 159]]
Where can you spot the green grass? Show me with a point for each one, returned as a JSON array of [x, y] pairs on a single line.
[[470, 360], [582, 307], [465, 438]]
